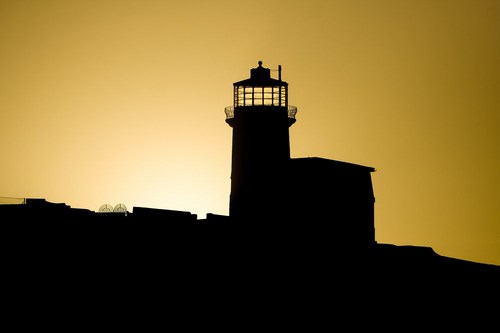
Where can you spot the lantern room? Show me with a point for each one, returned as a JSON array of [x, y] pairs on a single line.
[[261, 92], [261, 89]]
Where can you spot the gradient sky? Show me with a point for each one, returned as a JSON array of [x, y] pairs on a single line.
[[123, 102]]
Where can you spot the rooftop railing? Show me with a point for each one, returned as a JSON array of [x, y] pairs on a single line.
[[12, 201]]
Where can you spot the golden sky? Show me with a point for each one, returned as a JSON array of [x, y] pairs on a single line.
[[123, 102]]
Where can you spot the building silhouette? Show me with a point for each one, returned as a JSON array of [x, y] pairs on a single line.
[[269, 189]]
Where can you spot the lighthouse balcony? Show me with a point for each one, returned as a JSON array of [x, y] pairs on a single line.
[[291, 110]]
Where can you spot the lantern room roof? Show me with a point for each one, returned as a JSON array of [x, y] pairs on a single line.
[[261, 76]]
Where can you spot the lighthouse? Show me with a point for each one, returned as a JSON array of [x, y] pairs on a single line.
[[327, 201], [260, 118]]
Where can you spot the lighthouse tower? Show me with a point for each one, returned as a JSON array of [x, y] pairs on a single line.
[[260, 118]]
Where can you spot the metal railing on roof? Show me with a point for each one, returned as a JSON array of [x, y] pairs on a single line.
[[12, 201]]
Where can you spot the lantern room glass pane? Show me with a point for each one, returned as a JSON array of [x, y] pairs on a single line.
[[256, 96], [267, 97], [238, 98], [283, 100], [258, 99]]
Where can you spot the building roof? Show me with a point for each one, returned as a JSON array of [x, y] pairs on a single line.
[[323, 162], [260, 76]]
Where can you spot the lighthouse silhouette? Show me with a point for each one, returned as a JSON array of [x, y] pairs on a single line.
[[271, 191], [260, 118]]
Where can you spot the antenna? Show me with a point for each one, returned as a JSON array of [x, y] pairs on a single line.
[[278, 70]]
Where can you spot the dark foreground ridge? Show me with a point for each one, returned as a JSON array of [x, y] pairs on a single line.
[[39, 228], [261, 274]]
